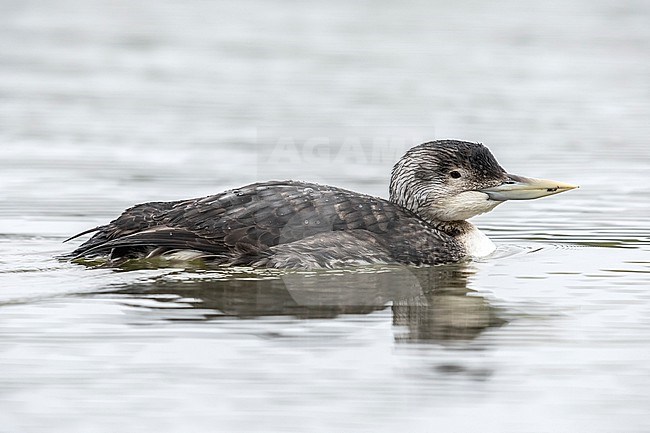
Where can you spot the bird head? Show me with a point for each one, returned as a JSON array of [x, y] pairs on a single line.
[[451, 180]]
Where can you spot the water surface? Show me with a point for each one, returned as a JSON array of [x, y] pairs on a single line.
[[105, 104]]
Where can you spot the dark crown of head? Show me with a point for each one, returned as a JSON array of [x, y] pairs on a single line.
[[437, 158]]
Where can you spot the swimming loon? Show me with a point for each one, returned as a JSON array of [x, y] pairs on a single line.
[[434, 188]]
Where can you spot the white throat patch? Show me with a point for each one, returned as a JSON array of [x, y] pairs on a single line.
[[476, 243], [462, 206]]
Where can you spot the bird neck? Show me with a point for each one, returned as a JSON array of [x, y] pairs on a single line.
[[474, 242], [453, 228], [410, 198]]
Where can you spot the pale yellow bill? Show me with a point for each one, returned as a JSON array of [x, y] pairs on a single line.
[[526, 188]]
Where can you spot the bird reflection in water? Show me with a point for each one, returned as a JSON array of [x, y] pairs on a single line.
[[428, 303]]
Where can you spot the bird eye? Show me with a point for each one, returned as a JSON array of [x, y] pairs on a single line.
[[455, 174]]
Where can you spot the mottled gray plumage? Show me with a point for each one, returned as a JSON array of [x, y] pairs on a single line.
[[299, 224]]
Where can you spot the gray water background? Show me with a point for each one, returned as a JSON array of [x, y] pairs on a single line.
[[104, 104]]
